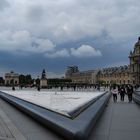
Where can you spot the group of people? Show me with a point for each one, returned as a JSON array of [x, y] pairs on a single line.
[[122, 90]]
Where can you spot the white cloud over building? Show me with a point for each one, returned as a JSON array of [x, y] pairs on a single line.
[[85, 51]]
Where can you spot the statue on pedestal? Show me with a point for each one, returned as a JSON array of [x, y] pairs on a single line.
[[43, 80]]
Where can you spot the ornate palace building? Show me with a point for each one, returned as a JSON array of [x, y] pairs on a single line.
[[135, 63], [115, 75], [127, 74]]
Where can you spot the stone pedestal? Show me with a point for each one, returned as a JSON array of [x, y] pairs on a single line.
[[43, 83]]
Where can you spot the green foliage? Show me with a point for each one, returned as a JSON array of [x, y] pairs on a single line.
[[37, 81], [57, 81], [25, 79], [1, 81], [101, 82]]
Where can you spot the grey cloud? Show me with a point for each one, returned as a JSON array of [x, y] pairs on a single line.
[[57, 28], [3, 4], [35, 13], [23, 41], [64, 21], [58, 54]]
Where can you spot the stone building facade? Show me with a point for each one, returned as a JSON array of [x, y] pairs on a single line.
[[135, 63], [11, 78], [115, 75], [88, 77], [111, 75], [71, 70], [127, 74]]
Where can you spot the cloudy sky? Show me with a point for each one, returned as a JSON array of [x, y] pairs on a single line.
[[53, 34]]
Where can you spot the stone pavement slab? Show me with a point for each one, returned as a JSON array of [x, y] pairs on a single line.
[[120, 121], [31, 129], [8, 131]]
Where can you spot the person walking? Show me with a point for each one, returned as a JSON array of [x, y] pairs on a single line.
[[122, 93], [38, 88], [130, 92], [114, 92]]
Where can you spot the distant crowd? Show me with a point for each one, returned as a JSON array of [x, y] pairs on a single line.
[[70, 87], [116, 90]]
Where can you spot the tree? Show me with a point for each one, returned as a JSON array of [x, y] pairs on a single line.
[[28, 79], [25, 79], [1, 81], [22, 80], [37, 81], [58, 82], [101, 82]]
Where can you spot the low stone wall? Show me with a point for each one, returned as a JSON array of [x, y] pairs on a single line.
[[77, 128], [136, 96]]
